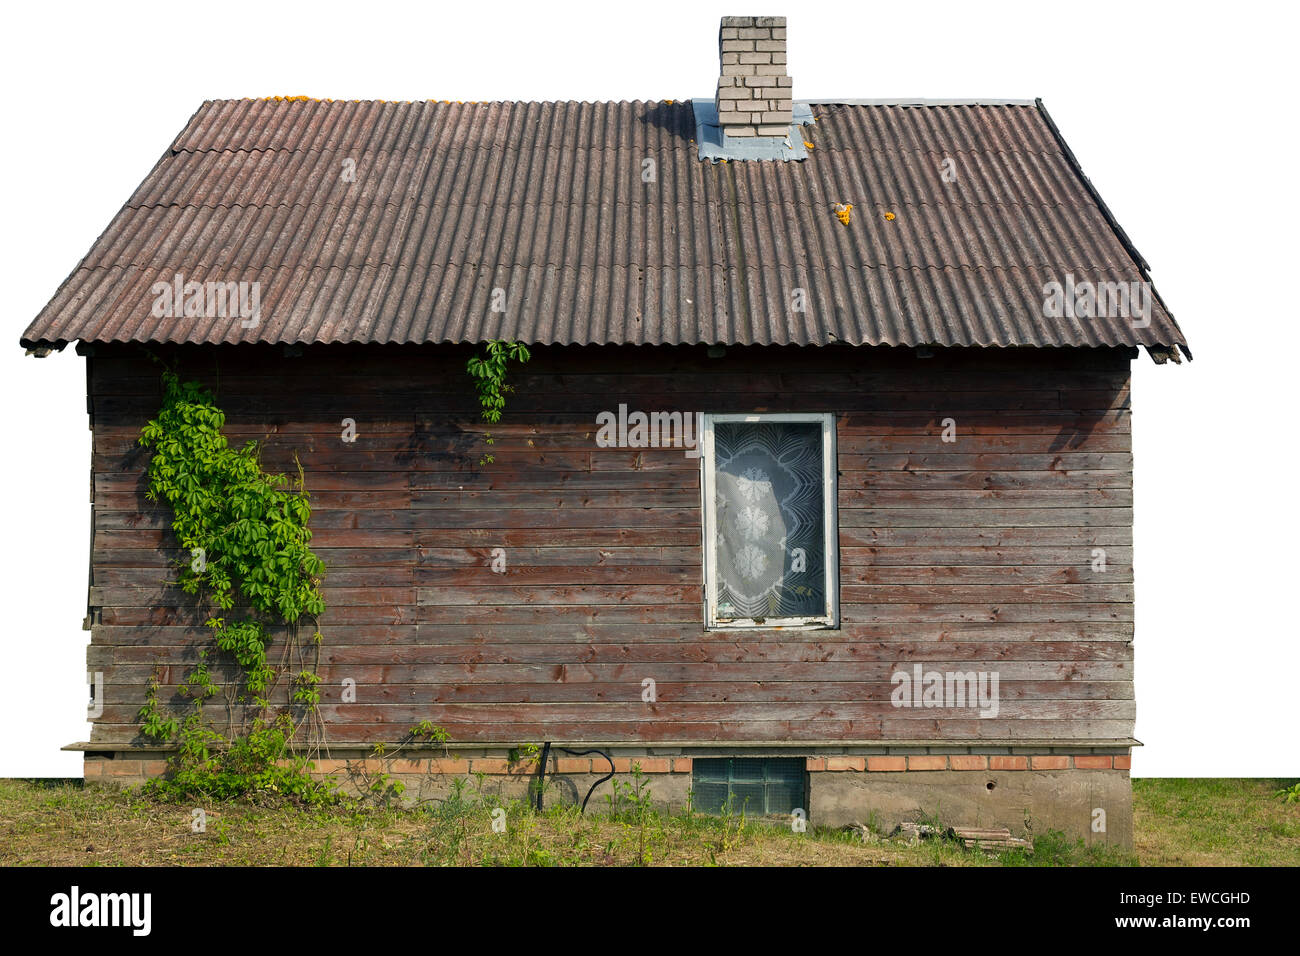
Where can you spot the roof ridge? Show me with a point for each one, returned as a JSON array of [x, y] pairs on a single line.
[[915, 101]]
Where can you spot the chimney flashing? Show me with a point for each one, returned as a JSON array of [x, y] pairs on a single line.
[[713, 145]]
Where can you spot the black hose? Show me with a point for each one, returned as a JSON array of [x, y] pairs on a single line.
[[583, 753], [541, 772]]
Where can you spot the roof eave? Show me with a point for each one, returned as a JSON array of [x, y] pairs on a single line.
[[1159, 352]]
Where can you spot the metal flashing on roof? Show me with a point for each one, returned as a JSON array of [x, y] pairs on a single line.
[[715, 145]]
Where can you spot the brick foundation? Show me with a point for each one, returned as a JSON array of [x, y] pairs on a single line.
[[1026, 790]]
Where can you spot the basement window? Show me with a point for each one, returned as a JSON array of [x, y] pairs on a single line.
[[756, 786], [770, 557]]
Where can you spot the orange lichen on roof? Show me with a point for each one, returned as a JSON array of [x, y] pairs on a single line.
[[890, 217], [842, 211]]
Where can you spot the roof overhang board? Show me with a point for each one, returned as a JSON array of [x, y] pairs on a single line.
[[715, 146]]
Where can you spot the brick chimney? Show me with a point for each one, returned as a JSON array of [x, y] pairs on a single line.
[[754, 92]]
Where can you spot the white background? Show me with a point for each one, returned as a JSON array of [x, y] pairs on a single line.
[[1183, 118]]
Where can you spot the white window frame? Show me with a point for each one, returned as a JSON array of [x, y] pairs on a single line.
[[708, 486]]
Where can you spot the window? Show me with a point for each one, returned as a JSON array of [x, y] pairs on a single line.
[[769, 521], [754, 785]]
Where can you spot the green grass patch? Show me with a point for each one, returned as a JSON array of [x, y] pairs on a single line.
[[1177, 822]]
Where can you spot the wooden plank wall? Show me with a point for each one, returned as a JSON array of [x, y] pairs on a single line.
[[974, 555]]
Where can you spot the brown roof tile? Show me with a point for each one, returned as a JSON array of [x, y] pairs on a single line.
[[546, 201]]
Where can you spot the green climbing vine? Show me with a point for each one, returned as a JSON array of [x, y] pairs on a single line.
[[489, 374], [248, 544], [155, 725]]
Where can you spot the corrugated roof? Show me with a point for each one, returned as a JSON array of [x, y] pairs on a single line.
[[547, 201]]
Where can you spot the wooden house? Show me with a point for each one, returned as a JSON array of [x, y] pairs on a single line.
[[815, 494]]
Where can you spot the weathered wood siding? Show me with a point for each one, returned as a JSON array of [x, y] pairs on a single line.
[[974, 555]]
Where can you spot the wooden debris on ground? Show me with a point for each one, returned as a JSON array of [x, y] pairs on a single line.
[[983, 838]]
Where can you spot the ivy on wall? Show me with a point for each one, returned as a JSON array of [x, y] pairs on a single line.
[[489, 374], [246, 533]]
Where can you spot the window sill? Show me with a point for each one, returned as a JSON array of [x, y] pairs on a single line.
[[786, 626]]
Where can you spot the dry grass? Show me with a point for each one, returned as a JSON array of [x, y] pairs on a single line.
[[67, 824], [63, 823]]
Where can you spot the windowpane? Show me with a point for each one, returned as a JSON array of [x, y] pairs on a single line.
[[747, 798], [709, 797], [770, 549], [754, 785]]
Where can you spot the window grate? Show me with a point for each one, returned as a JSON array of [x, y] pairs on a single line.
[[757, 786]]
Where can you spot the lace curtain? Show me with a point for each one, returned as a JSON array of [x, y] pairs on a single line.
[[770, 557]]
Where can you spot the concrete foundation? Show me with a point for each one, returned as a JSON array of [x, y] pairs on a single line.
[[1025, 802], [1084, 795]]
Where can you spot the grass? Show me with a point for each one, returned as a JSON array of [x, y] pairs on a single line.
[[1178, 822], [1215, 822]]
